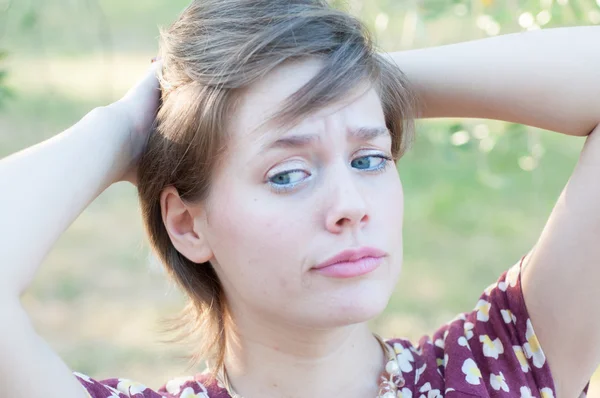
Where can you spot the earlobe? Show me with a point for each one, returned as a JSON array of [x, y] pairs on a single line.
[[187, 233]]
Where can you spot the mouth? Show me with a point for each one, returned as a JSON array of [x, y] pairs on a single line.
[[351, 263]]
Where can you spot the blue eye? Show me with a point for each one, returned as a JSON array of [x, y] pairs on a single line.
[[285, 181], [364, 162], [288, 180]]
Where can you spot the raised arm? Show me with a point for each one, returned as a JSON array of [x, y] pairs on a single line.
[[44, 189], [547, 78]]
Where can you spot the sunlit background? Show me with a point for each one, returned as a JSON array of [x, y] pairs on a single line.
[[477, 192]]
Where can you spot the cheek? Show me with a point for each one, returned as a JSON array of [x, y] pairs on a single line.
[[390, 201], [254, 241]]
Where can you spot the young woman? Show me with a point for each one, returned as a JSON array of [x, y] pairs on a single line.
[[268, 189]]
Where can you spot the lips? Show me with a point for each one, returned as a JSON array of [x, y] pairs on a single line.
[[351, 263], [352, 255]]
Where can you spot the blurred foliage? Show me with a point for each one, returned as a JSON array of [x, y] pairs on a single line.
[[396, 24], [5, 91], [528, 14], [416, 24]]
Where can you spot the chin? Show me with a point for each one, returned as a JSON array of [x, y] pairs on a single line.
[[357, 304]]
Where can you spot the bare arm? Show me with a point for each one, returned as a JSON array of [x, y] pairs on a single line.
[[47, 186], [548, 79], [44, 189]]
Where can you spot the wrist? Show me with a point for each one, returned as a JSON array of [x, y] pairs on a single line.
[[109, 128]]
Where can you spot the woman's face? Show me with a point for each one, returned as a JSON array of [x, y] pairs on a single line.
[[282, 203]]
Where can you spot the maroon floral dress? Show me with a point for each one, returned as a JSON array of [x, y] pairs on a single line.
[[491, 351]]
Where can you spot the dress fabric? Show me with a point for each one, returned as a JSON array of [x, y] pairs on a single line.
[[491, 351]]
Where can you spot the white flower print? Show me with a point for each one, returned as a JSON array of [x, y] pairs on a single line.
[[202, 388], [546, 393], [533, 348], [498, 382], [434, 394], [469, 330], [188, 392], [174, 386], [491, 348], [130, 387], [462, 340], [398, 348], [508, 316], [419, 372], [488, 290], [502, 286], [512, 276], [446, 358], [431, 393], [471, 371], [84, 377], [417, 351], [405, 393], [425, 387], [521, 357], [483, 310], [526, 392], [405, 357], [439, 343]]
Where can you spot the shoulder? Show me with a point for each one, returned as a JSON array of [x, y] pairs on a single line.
[[198, 386], [489, 350], [202, 385]]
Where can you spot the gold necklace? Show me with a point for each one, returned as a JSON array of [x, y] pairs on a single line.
[[390, 380]]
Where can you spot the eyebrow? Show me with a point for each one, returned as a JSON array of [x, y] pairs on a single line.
[[304, 140]]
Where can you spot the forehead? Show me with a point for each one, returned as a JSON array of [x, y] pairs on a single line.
[[262, 99]]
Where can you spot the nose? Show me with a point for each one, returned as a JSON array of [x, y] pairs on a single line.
[[347, 205]]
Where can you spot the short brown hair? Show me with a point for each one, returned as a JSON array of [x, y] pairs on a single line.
[[214, 50]]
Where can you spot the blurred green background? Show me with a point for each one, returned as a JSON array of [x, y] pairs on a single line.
[[477, 192]]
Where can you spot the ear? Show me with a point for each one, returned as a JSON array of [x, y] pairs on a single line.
[[185, 226]]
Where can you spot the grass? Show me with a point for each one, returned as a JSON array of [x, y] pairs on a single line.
[[469, 215]]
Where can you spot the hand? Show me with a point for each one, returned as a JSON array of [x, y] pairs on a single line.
[[138, 109]]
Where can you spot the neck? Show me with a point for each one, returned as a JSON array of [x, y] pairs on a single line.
[[271, 362]]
